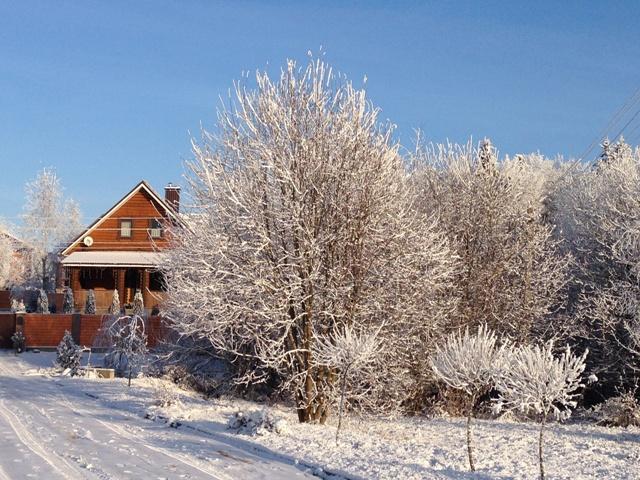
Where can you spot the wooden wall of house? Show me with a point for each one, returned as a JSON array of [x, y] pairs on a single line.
[[141, 209]]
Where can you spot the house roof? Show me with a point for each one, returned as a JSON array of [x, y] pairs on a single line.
[[16, 243], [143, 185], [112, 259]]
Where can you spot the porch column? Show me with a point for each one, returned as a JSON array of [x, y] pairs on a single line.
[[120, 276], [74, 283], [144, 288]]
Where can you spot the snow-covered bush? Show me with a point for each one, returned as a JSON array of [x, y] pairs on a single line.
[[127, 344], [467, 362], [17, 306], [114, 308], [68, 304], [619, 411], [598, 210], [494, 211], [351, 355], [19, 341], [68, 354], [533, 380], [138, 304], [260, 422], [43, 302], [90, 304]]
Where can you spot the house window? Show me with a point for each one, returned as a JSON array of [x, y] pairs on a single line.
[[155, 228], [126, 227]]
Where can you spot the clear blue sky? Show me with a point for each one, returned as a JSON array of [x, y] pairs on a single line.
[[108, 91]]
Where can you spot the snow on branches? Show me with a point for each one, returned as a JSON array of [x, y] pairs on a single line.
[[468, 362], [352, 355], [534, 380], [303, 222]]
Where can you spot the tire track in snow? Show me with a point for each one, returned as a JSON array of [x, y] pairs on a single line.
[[123, 433], [28, 440]]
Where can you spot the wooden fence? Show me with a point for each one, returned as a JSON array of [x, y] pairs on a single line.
[[46, 330]]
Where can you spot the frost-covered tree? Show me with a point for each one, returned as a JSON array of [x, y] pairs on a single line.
[[42, 302], [354, 357], [6, 260], [304, 224], [138, 304], [49, 220], [512, 273], [467, 362], [534, 380], [68, 303], [68, 354], [19, 341], [90, 304], [599, 212], [114, 308], [128, 344]]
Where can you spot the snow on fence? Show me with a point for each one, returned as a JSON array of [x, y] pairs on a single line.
[[46, 330]]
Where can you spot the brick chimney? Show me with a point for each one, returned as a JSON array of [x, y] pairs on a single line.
[[172, 196]]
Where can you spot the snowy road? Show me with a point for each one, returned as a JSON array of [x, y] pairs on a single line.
[[59, 428]]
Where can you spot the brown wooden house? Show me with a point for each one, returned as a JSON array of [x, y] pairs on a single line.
[[121, 250]]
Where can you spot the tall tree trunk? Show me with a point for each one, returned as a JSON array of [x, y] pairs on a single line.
[[472, 465], [343, 389], [44, 273], [542, 424]]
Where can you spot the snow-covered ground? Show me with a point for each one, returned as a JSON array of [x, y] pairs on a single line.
[[71, 428], [60, 427]]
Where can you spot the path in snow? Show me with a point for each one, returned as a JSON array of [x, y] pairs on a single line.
[[50, 428]]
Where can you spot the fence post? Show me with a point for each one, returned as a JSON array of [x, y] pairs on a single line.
[[76, 325]]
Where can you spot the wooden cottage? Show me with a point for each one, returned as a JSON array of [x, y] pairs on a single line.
[[121, 250]]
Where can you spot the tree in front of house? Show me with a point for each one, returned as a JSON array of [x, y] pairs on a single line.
[[6, 259], [128, 344], [114, 308], [68, 354], [42, 303], [68, 302], [307, 226], [90, 304], [138, 304], [49, 221]]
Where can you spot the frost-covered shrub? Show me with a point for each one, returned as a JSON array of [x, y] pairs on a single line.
[[534, 380], [619, 411], [17, 306], [19, 341], [114, 308], [467, 363], [68, 354], [90, 304], [259, 422], [351, 354], [68, 303], [127, 345], [138, 304], [43, 302]]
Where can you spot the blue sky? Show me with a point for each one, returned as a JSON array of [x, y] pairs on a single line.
[[108, 91]]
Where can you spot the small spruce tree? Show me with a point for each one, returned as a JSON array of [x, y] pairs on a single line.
[[19, 341], [68, 354], [67, 305], [43, 302], [90, 304], [138, 304], [114, 309]]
